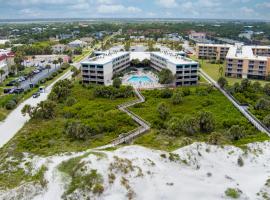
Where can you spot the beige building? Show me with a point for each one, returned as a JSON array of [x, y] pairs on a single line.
[[248, 62], [212, 51]]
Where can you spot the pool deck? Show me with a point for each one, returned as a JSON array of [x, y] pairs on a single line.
[[142, 85]]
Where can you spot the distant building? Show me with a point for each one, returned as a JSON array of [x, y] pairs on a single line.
[[184, 69], [241, 61], [87, 39], [77, 43], [59, 48], [4, 41], [64, 36], [193, 35], [212, 51], [100, 70], [6, 60]]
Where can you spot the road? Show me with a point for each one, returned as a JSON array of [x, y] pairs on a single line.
[[242, 109]]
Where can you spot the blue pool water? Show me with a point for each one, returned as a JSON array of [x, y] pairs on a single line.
[[140, 79]]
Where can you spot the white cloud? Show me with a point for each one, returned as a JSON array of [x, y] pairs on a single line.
[[167, 3], [263, 5], [117, 9]]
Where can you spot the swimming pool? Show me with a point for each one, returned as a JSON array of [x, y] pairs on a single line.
[[140, 79]]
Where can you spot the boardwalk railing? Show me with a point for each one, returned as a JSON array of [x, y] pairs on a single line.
[[144, 125], [251, 118]]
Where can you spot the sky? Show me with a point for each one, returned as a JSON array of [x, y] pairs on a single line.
[[209, 9]]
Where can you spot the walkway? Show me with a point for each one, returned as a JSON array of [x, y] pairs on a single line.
[[243, 109], [144, 125]]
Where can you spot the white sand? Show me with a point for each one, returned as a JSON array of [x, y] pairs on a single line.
[[173, 180]]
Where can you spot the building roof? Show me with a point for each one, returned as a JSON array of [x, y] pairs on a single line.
[[244, 52], [214, 45], [173, 58], [104, 59], [75, 42]]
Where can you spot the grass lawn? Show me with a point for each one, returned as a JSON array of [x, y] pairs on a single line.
[[223, 111]]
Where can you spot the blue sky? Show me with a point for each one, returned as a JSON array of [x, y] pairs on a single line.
[[220, 9]]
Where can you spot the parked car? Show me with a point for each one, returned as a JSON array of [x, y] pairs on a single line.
[[7, 90], [11, 83], [11, 91], [18, 91], [36, 95]]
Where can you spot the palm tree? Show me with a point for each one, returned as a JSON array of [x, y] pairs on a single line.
[[220, 70], [60, 60], [55, 62], [13, 68], [17, 84], [2, 72], [48, 67]]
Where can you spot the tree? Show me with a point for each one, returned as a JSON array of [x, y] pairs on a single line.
[[165, 76], [266, 121], [117, 82], [163, 111], [222, 82], [221, 70], [236, 132], [61, 90], [262, 104], [177, 98], [266, 89], [44, 110], [13, 68], [216, 138], [77, 130], [2, 72], [174, 126], [206, 121], [55, 62], [60, 60], [245, 84], [48, 67], [146, 62], [135, 62], [190, 125]]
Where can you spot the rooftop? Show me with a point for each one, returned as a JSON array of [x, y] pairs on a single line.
[[173, 58], [214, 45], [244, 52], [104, 59]]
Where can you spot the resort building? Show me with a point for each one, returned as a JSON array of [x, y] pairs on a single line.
[[100, 69], [248, 62], [241, 61], [3, 68], [184, 69], [212, 51]]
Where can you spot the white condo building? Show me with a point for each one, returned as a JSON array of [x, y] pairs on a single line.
[[100, 69], [184, 69]]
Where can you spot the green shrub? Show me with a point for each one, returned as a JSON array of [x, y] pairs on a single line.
[[240, 161], [177, 98], [233, 193], [166, 93], [10, 105]]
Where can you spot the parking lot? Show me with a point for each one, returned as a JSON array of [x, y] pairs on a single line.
[[39, 72]]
